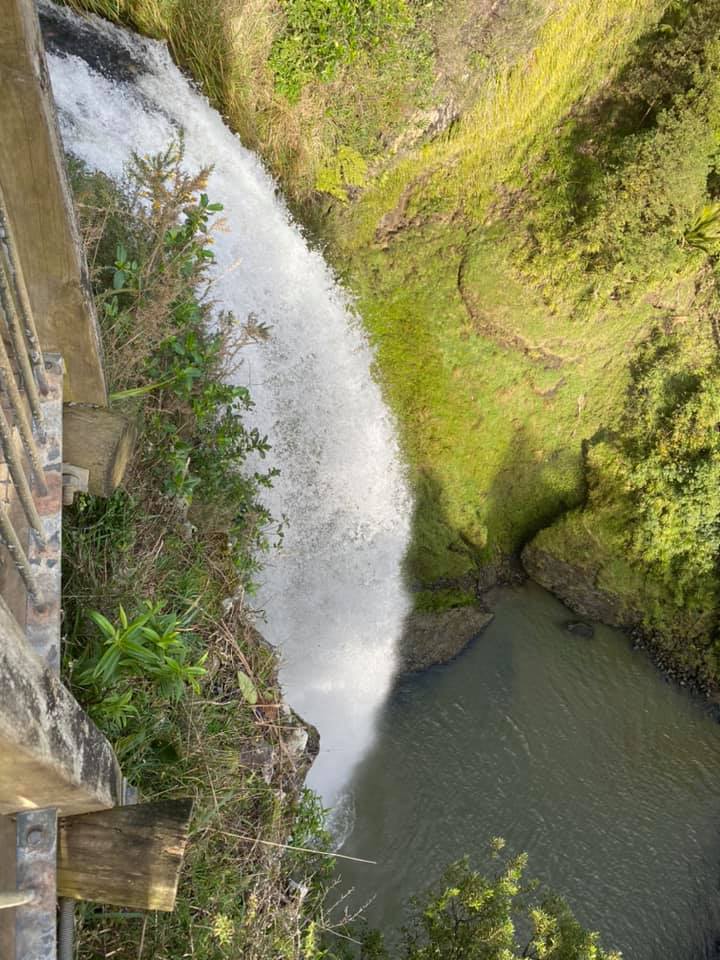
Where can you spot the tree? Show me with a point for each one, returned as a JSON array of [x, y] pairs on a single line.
[[499, 916]]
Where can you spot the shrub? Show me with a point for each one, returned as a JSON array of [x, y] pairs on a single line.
[[482, 916], [665, 460], [608, 204], [187, 534]]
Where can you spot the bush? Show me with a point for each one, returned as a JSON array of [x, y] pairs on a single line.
[[181, 682], [665, 459], [629, 168], [481, 916]]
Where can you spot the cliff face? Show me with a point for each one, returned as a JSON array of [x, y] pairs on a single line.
[[545, 314]]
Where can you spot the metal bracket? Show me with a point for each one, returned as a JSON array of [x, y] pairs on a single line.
[[74, 480], [36, 921]]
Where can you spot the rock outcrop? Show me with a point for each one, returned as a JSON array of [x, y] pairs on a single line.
[[430, 638], [576, 585]]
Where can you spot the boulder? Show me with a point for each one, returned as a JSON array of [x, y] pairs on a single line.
[[430, 638]]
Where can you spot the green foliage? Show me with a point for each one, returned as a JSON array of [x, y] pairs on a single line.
[[320, 35], [665, 457], [704, 231], [592, 233], [499, 915], [608, 205], [183, 685], [347, 169], [166, 351], [137, 665]]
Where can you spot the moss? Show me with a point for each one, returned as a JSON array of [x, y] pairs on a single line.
[[437, 601]]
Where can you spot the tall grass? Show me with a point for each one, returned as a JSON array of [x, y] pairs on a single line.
[[579, 47], [231, 47]]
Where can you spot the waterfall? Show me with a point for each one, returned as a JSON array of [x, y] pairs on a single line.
[[333, 594]]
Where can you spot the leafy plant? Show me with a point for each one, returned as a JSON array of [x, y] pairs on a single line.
[[188, 537], [320, 35], [704, 232], [664, 463], [347, 169], [482, 916], [138, 659]]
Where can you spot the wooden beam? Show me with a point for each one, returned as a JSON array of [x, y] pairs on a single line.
[[128, 857], [100, 440], [34, 181], [51, 754]]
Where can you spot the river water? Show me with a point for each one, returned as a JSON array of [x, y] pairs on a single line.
[[574, 750]]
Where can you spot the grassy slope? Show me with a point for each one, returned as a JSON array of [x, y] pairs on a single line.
[[228, 46], [508, 269], [496, 389]]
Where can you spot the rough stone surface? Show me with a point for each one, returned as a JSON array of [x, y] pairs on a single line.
[[576, 586], [430, 638], [50, 752]]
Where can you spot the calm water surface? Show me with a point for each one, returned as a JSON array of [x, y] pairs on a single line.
[[574, 750]]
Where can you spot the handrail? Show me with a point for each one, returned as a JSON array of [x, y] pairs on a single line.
[[25, 338], [22, 375]]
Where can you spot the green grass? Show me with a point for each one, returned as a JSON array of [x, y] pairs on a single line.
[[301, 80], [472, 410], [580, 46], [528, 267]]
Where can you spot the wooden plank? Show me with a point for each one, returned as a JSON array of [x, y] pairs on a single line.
[[51, 754], [33, 178], [128, 856], [100, 440]]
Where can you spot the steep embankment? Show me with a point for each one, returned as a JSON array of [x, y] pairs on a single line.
[[539, 289], [525, 239]]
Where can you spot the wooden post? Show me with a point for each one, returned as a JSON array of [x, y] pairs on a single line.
[[34, 181], [100, 440], [128, 856]]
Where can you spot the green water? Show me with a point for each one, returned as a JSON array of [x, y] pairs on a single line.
[[574, 750]]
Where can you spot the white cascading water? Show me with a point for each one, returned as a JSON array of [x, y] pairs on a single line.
[[333, 595]]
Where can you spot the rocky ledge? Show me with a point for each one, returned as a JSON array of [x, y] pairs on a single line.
[[430, 638], [576, 586]]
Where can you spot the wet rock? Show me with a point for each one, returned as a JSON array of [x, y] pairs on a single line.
[[295, 742], [576, 585], [580, 628], [430, 638]]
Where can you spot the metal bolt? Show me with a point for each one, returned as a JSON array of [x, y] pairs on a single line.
[[34, 836]]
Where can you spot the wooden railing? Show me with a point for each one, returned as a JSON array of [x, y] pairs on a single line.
[[27, 460]]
